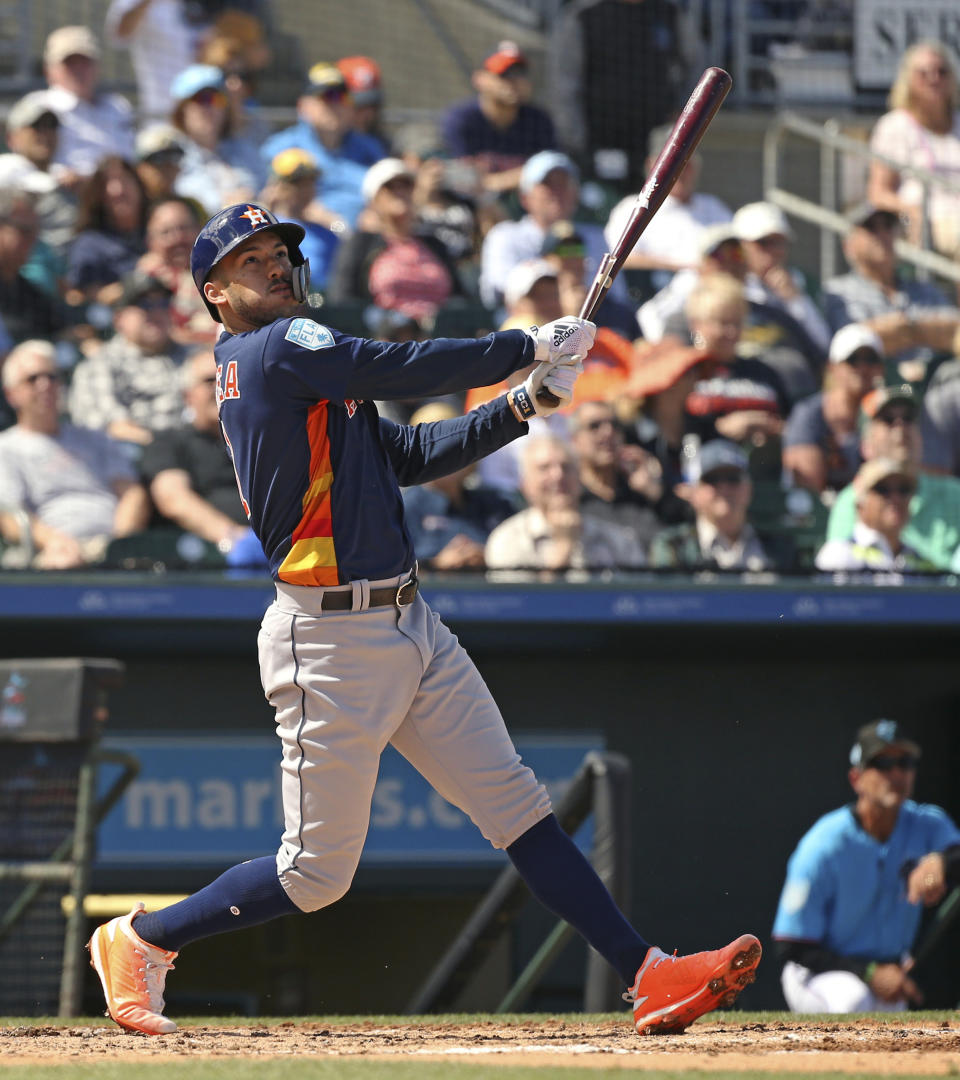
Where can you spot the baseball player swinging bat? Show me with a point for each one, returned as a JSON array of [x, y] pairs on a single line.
[[689, 129]]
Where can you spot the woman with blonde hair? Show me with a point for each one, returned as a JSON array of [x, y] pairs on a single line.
[[922, 129]]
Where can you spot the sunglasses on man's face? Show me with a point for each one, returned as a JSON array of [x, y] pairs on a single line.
[[334, 96], [723, 476], [892, 417], [889, 762], [209, 97], [887, 488], [47, 122]]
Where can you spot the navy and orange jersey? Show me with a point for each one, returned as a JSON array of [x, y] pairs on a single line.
[[319, 470]]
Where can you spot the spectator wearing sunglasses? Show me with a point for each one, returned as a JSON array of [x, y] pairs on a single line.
[[922, 128], [219, 167], [857, 883], [892, 430], [325, 129], [719, 489], [874, 288], [130, 387], [32, 136], [883, 489], [65, 491]]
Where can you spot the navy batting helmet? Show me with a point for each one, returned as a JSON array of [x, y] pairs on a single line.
[[230, 227]]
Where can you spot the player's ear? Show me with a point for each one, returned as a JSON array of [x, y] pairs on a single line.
[[213, 292], [853, 776]]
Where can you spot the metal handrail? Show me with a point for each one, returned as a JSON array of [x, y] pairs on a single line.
[[825, 213]]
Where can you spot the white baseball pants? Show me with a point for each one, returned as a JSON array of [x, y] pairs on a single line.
[[830, 992], [343, 685]]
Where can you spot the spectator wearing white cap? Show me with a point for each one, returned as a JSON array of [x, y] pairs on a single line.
[[384, 261], [162, 41], [549, 192], [766, 237], [218, 167], [32, 135], [93, 124], [769, 332], [821, 440]]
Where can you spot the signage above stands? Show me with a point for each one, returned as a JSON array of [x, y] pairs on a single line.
[[884, 29]]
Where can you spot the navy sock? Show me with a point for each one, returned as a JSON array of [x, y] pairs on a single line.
[[562, 879], [244, 895]]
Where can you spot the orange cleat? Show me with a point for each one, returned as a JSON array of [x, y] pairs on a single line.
[[670, 992], [132, 973]]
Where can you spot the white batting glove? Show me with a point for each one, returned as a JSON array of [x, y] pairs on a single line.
[[568, 338], [558, 379]]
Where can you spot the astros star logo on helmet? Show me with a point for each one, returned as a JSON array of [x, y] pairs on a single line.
[[256, 216]]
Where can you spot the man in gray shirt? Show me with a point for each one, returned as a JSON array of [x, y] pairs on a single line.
[[64, 491]]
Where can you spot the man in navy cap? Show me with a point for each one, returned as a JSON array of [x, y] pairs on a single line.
[[719, 489]]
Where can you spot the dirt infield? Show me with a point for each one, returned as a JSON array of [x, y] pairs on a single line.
[[853, 1046]]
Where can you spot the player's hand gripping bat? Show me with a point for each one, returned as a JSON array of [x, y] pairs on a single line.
[[689, 129]]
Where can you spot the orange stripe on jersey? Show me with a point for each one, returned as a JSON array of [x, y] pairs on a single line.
[[312, 559]]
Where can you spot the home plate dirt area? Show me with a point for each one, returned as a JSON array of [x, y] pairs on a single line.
[[850, 1045]]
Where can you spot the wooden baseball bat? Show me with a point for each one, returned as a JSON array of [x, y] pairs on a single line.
[[685, 136]]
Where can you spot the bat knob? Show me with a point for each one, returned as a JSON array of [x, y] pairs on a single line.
[[546, 398]]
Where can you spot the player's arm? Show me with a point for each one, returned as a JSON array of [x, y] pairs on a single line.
[[451, 365], [427, 451]]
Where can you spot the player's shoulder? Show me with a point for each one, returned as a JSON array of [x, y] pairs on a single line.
[[925, 813], [828, 832], [303, 332]]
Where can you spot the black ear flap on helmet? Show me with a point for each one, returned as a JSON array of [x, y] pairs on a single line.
[[300, 281]]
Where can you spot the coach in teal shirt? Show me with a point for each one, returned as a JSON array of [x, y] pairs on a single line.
[[857, 882]]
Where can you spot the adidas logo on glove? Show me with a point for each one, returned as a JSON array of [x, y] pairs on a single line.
[[561, 331]]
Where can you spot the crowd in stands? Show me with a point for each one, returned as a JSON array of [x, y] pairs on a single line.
[[733, 415]]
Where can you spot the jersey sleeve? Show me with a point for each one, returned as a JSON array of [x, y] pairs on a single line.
[[944, 830], [804, 907], [427, 451], [312, 362]]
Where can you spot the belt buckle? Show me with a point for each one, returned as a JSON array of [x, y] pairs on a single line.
[[411, 583]]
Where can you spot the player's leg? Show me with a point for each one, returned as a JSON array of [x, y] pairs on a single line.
[[334, 720], [454, 735]]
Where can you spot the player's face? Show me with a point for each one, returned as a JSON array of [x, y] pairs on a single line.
[[258, 289], [888, 779]]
